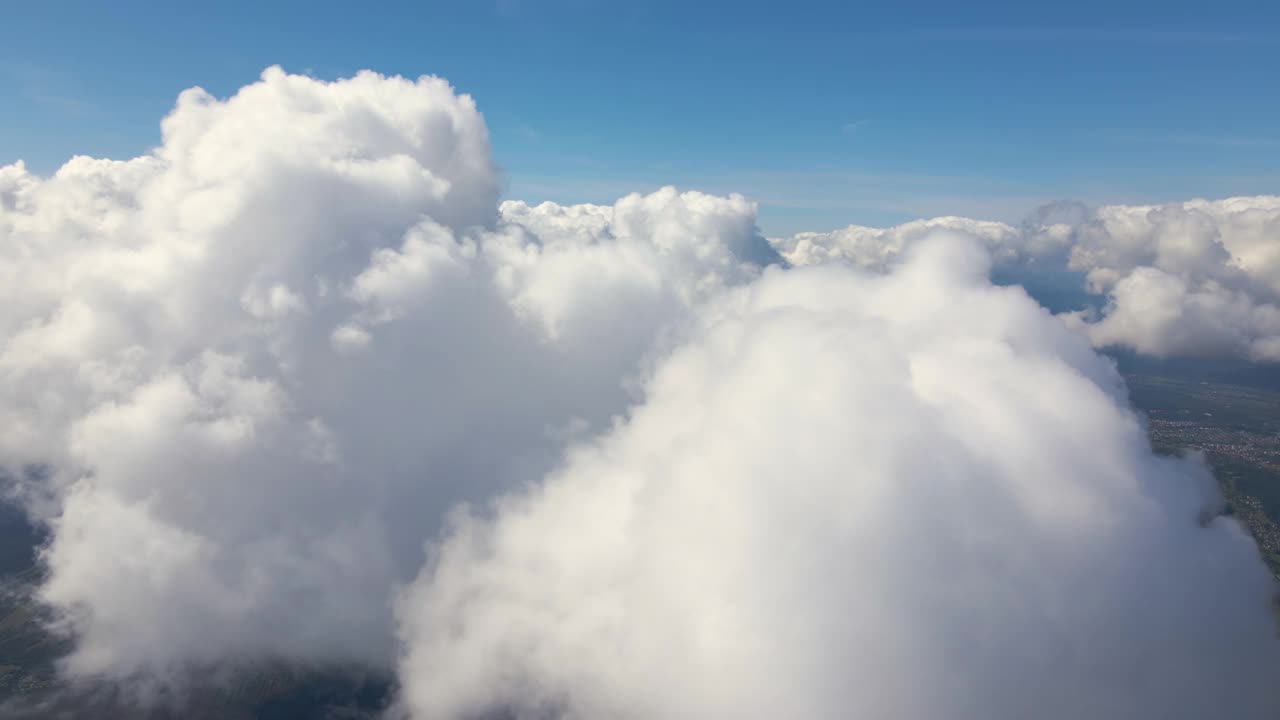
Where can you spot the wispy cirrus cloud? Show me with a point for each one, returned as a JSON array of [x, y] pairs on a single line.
[[850, 128]]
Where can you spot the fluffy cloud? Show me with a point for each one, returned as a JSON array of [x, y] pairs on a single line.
[[686, 245], [1188, 278], [878, 248], [913, 495], [263, 361], [246, 379]]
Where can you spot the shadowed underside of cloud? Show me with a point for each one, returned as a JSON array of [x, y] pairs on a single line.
[[302, 390]]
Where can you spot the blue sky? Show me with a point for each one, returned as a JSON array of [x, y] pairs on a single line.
[[827, 113]]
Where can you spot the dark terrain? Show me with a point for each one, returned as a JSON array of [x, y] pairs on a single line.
[[1238, 430]]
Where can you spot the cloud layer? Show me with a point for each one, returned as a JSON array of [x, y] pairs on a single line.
[[1187, 278], [264, 384]]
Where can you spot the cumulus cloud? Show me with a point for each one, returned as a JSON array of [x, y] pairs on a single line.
[[295, 386], [690, 245], [1186, 278], [913, 495], [878, 248], [264, 360]]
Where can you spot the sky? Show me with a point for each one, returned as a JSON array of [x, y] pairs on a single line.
[[827, 114]]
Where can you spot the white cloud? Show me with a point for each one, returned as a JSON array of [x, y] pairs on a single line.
[[877, 248], [264, 362], [911, 495], [1190, 278]]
